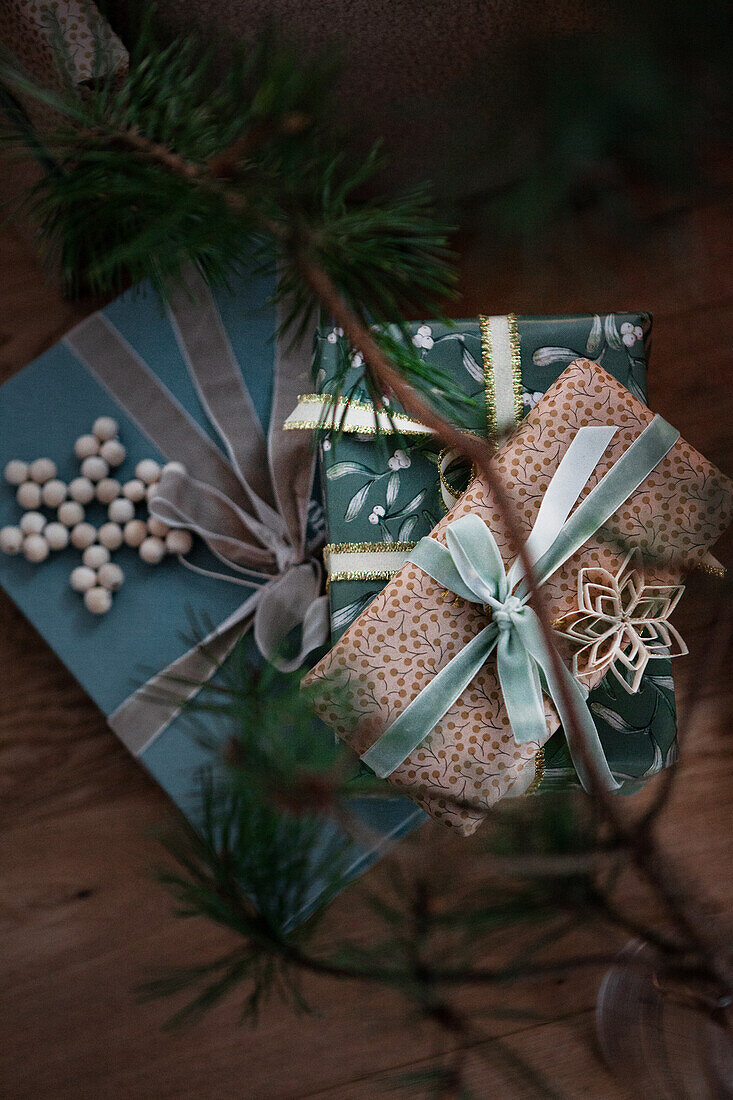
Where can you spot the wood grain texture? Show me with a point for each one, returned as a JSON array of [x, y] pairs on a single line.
[[82, 922]]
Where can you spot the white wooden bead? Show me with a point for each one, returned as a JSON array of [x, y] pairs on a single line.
[[82, 578], [56, 535], [105, 427], [95, 468], [108, 489], [53, 493], [110, 535], [111, 576], [173, 468], [113, 452], [152, 550], [135, 533], [95, 555], [121, 510], [16, 472], [148, 471], [178, 541], [70, 513], [157, 527], [81, 489], [83, 535], [42, 470], [134, 490], [150, 491], [86, 446], [29, 495], [98, 600], [35, 548], [11, 540], [32, 523]]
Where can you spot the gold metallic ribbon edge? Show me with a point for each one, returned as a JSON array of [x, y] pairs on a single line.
[[514, 342], [330, 420], [487, 363], [488, 367], [364, 548]]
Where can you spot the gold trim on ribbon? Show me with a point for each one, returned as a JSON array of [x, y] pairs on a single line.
[[450, 491], [539, 772], [712, 570], [374, 574], [333, 405], [363, 575], [367, 547], [487, 352], [514, 342], [488, 366]]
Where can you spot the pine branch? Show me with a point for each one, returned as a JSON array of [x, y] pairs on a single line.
[[252, 866], [171, 170]]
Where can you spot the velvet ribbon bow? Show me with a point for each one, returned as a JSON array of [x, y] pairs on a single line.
[[471, 567], [246, 499]]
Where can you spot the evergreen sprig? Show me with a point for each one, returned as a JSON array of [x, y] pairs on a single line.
[[171, 164], [257, 859], [539, 870], [168, 164]]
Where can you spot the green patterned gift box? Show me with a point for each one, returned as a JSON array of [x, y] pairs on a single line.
[[384, 492]]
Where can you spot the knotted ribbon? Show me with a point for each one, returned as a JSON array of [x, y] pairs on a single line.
[[249, 504], [471, 567]]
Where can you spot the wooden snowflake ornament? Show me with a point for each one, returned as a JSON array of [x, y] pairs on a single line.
[[622, 623]]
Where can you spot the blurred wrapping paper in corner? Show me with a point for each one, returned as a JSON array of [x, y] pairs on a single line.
[[33, 29], [30, 30], [411, 633]]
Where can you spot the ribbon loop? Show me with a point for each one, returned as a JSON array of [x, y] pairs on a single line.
[[476, 556], [290, 601]]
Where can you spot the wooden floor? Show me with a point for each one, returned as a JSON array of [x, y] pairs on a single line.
[[81, 921]]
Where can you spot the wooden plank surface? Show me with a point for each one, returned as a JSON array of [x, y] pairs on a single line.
[[82, 922]]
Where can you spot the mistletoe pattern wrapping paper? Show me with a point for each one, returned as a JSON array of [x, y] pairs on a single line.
[[377, 492], [390, 491], [410, 631]]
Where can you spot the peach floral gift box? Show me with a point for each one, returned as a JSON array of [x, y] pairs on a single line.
[[446, 684]]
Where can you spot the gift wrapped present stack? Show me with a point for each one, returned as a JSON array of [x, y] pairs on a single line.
[[440, 675], [159, 508]]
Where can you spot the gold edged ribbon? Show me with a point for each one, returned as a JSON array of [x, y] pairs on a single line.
[[502, 361], [326, 412], [365, 561], [502, 365]]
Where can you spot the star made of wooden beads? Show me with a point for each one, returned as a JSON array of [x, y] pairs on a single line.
[[37, 486]]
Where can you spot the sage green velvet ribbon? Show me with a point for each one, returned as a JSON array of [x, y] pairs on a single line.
[[471, 567]]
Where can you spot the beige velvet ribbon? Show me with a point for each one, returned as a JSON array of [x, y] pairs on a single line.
[[250, 507]]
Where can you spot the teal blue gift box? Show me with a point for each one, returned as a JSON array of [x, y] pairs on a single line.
[[43, 410]]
